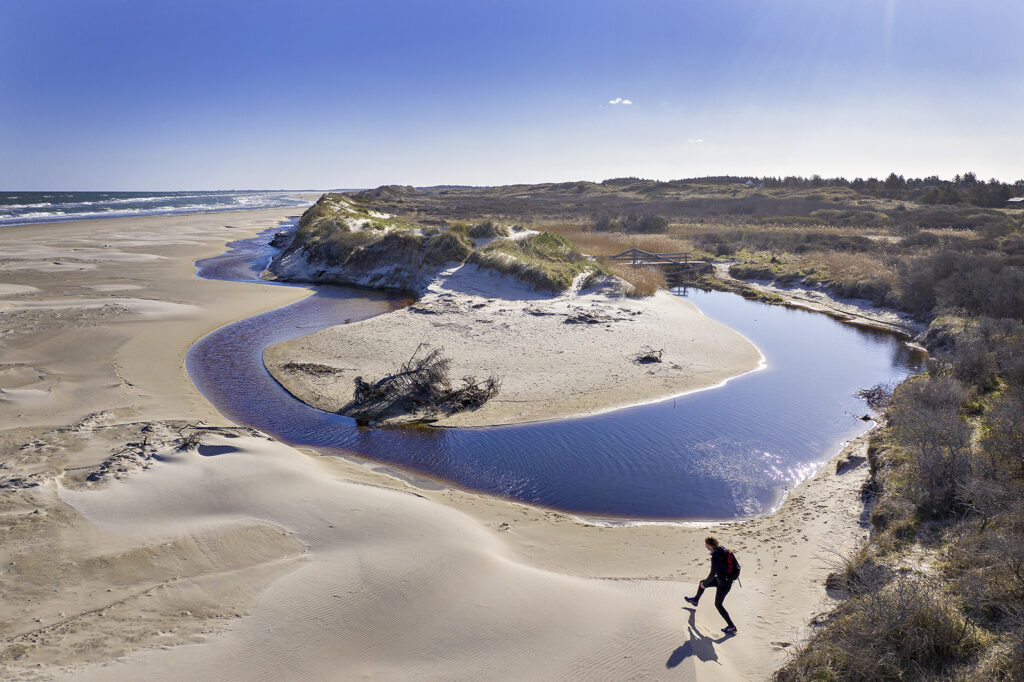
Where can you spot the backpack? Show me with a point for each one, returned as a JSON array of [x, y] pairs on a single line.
[[732, 567]]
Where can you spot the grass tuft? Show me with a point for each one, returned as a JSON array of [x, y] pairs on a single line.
[[544, 260], [488, 229], [446, 247]]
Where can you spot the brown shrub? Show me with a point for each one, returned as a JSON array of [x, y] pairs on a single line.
[[909, 629], [926, 422]]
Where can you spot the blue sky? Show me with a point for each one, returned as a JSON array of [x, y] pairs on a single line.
[[104, 94]]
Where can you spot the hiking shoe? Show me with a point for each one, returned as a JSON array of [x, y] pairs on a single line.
[[690, 600], [729, 629]]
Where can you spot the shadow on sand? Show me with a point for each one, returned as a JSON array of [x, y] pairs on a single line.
[[699, 645]]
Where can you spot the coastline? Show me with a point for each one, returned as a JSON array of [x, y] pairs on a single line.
[[279, 531]]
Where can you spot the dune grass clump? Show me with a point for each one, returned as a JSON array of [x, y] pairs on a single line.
[[488, 229], [859, 574], [457, 227], [336, 246], [544, 260], [446, 247], [397, 247], [324, 225], [325, 207]]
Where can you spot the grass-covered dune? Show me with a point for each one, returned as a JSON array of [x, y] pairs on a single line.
[[341, 240], [544, 260]]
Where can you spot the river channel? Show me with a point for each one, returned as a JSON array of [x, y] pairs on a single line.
[[722, 453]]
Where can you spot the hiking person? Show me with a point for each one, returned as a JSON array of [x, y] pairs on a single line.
[[724, 569]]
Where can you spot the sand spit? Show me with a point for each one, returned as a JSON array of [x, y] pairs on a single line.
[[854, 311], [558, 356], [131, 551]]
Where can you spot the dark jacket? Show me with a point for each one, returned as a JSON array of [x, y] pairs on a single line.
[[719, 568]]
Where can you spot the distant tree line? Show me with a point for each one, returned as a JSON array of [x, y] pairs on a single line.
[[966, 188]]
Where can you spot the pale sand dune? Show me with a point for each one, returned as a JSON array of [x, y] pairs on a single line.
[[395, 585], [226, 568]]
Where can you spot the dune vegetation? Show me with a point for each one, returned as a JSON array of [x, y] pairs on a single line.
[[348, 237], [544, 260]]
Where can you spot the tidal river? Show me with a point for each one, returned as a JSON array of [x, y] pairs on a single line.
[[722, 453]]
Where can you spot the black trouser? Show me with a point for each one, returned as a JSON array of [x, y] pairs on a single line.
[[723, 587]]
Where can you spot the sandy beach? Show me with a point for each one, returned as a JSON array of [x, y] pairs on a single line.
[[131, 553]]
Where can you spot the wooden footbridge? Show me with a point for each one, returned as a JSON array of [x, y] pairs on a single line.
[[675, 264]]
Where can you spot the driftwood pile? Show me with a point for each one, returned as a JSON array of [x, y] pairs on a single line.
[[420, 389]]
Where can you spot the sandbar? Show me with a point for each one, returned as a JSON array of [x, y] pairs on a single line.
[[557, 356]]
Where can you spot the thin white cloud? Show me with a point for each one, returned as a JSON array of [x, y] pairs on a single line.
[[696, 140], [619, 100]]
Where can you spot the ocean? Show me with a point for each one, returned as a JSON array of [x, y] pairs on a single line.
[[20, 208]]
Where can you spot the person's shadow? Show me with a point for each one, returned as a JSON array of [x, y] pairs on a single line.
[[700, 645]]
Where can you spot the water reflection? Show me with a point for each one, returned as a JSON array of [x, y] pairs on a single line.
[[716, 454]]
